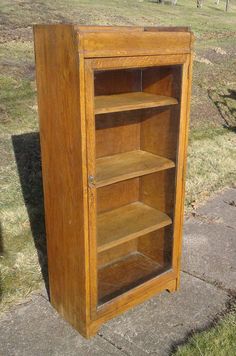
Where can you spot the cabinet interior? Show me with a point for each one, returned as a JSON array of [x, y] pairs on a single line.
[[137, 127]]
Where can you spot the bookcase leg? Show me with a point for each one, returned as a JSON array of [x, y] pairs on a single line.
[[178, 283], [91, 331], [172, 286]]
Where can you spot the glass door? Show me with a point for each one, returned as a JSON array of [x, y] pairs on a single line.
[[136, 135]]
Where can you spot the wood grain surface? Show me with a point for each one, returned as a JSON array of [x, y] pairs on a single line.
[[112, 169], [114, 108], [130, 101], [128, 222]]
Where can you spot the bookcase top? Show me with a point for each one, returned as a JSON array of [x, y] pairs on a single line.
[[88, 28], [118, 41]]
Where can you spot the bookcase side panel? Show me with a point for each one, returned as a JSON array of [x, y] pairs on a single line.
[[182, 162], [63, 148]]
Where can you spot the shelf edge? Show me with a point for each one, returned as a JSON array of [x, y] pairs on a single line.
[[136, 174]]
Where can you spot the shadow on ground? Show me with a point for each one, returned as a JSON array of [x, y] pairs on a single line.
[[223, 100], [28, 160], [228, 308]]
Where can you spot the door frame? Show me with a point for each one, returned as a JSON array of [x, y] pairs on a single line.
[[170, 277]]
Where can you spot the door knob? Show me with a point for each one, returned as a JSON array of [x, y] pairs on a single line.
[[91, 180]]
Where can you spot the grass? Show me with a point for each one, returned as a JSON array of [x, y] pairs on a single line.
[[219, 340], [211, 153], [211, 163]]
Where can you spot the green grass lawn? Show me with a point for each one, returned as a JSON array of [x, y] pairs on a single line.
[[219, 340], [211, 154]]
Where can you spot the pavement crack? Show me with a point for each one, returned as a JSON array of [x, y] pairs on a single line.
[[205, 219], [216, 284], [44, 297], [114, 344], [209, 220], [121, 348]]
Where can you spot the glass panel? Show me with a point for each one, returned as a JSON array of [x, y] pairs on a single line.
[[137, 125]]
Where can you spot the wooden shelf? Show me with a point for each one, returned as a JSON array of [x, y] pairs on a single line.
[[128, 222], [126, 273], [130, 101], [122, 166]]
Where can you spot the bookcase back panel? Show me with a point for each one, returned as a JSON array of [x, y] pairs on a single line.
[[116, 195], [116, 253], [159, 132], [117, 132], [164, 80], [158, 246], [160, 127], [117, 81], [158, 191]]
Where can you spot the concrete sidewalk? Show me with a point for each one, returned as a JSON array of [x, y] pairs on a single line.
[[156, 326]]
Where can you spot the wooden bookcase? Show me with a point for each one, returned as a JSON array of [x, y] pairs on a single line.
[[114, 107]]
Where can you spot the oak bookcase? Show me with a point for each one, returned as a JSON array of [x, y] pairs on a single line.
[[114, 108]]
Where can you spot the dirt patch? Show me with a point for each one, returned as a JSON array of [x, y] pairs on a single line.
[[225, 102], [218, 35], [17, 25], [203, 60], [14, 68]]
